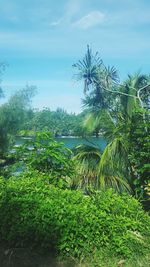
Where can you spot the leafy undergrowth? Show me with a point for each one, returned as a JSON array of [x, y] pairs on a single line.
[[68, 223]]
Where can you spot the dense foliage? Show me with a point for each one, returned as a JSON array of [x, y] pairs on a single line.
[[34, 213], [81, 202], [113, 109], [43, 154], [139, 154], [58, 122]]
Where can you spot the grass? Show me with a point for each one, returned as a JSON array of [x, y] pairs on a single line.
[[116, 262]]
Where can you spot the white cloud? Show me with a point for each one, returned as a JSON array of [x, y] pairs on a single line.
[[71, 8], [90, 20]]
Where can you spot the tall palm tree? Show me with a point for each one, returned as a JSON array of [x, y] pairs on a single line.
[[111, 107], [88, 68], [97, 80], [94, 73]]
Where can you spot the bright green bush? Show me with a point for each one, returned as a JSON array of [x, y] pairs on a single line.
[[35, 213], [50, 158]]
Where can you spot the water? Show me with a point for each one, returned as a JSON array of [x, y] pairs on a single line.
[[71, 142]]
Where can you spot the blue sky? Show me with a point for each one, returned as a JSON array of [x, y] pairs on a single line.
[[41, 39]]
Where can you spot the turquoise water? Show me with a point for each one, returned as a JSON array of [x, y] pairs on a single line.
[[71, 142]]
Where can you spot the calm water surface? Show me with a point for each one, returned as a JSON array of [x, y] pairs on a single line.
[[71, 142]]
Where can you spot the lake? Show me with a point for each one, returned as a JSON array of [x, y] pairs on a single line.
[[71, 142]]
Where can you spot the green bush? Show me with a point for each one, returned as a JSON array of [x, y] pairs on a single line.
[[43, 154], [35, 213]]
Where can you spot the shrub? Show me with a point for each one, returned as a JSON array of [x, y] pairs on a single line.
[[43, 154], [35, 213]]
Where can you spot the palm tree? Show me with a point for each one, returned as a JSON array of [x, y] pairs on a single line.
[[98, 80], [95, 74], [111, 107], [88, 68]]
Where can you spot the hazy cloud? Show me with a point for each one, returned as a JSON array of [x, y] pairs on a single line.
[[90, 20], [71, 8]]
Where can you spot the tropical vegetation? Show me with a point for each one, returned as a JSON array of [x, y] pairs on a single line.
[[35, 213], [120, 111], [86, 204]]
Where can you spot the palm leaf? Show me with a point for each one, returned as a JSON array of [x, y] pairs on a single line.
[[113, 165], [87, 158]]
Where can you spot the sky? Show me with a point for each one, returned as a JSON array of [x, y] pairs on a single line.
[[41, 39]]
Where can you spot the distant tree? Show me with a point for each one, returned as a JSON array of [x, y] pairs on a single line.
[[2, 69], [58, 122], [13, 115]]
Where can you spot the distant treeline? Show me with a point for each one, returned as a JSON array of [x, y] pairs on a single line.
[[18, 117], [59, 122]]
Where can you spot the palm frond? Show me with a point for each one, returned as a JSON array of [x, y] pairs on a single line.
[[111, 75], [99, 120], [113, 165], [87, 158]]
